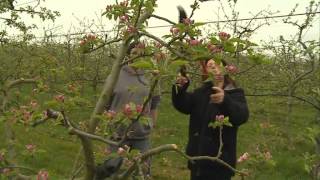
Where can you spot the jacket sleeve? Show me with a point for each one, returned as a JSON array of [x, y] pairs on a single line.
[[181, 99], [235, 106]]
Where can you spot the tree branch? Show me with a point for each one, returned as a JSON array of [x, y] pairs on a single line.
[[164, 19], [77, 131], [286, 95], [103, 45]]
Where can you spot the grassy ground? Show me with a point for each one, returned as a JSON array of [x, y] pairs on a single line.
[[285, 140]]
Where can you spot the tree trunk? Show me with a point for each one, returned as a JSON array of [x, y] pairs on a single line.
[[100, 107]]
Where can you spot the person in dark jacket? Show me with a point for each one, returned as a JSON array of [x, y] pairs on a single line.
[[215, 97]]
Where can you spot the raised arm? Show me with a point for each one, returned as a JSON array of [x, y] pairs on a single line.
[[181, 99]]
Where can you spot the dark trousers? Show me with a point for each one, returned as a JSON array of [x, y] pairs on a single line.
[[209, 176]]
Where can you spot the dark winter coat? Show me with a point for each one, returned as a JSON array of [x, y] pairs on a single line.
[[204, 140]]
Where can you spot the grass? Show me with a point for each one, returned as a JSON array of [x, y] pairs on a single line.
[[285, 140]]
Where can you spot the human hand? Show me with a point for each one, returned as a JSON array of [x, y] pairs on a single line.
[[181, 80], [218, 95]]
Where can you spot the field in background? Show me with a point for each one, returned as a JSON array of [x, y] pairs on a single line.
[[267, 128]]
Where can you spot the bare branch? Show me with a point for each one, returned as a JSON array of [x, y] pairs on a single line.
[[103, 45], [164, 19], [221, 142], [286, 95], [177, 53], [135, 57], [17, 82], [18, 167], [74, 130]]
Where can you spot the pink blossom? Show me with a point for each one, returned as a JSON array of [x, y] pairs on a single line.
[[194, 42], [223, 36], [59, 98], [124, 18], [214, 49], [14, 110], [187, 21], [82, 42], [267, 155], [26, 115], [159, 56], [6, 171], [107, 151], [71, 87], [127, 110], [155, 72], [140, 45], [131, 29], [45, 114], [35, 90], [121, 151], [220, 118], [1, 156], [23, 107], [231, 69], [157, 45], [33, 104], [139, 108], [110, 114], [91, 37], [126, 147], [244, 157], [109, 8], [124, 3], [43, 175], [30, 147], [175, 31]]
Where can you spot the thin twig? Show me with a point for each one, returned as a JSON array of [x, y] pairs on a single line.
[[138, 13], [286, 95], [79, 132], [221, 142], [103, 45], [164, 19], [19, 167]]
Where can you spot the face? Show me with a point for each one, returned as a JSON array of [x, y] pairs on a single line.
[[213, 67]]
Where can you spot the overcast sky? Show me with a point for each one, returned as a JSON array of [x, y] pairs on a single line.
[[75, 12]]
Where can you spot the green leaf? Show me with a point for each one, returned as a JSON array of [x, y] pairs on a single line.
[[142, 64], [100, 117], [214, 40], [200, 49], [145, 120], [229, 47], [113, 155], [134, 152], [251, 43], [177, 63], [199, 24], [228, 124], [236, 40], [52, 104], [218, 57], [250, 51], [2, 119]]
